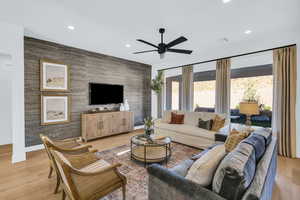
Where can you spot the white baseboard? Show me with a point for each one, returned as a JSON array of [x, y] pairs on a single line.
[[34, 148], [138, 127], [18, 158]]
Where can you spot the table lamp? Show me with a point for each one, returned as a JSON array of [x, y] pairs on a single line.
[[249, 108]]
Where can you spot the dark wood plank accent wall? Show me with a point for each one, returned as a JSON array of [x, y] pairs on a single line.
[[85, 67]]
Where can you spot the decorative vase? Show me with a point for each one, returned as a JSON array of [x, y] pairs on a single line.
[[148, 132], [126, 105], [122, 107]]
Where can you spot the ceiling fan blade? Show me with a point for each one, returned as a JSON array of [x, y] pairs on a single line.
[[143, 41], [177, 41], [144, 51], [180, 51]]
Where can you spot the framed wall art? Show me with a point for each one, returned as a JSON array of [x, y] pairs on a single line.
[[55, 76], [55, 109]]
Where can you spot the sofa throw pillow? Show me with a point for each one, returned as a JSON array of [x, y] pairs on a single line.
[[266, 133], [218, 123], [234, 138], [259, 144], [235, 172], [205, 124], [177, 118], [203, 169]]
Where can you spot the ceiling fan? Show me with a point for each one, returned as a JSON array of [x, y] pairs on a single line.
[[162, 47]]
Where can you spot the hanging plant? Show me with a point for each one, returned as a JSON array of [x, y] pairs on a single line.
[[157, 83]]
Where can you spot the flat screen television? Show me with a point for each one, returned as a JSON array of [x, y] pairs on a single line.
[[100, 94]]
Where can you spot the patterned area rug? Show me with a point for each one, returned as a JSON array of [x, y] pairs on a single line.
[[136, 173]]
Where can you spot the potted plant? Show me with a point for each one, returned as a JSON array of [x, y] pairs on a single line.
[[157, 83], [157, 86]]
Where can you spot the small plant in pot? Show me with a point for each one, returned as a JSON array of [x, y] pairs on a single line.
[[149, 123]]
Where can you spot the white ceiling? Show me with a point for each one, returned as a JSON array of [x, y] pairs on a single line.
[[107, 26]]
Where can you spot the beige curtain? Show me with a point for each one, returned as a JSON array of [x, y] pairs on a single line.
[[187, 88], [160, 99], [223, 86], [284, 100]]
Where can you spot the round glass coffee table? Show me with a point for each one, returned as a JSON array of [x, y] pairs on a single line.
[[150, 150]]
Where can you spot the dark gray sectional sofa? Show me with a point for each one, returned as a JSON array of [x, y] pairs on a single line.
[[171, 184]]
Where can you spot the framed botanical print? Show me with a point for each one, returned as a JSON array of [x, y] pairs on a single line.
[[54, 76], [55, 109]]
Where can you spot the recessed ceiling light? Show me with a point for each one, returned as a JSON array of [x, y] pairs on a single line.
[[127, 45], [71, 27], [248, 32], [226, 1]]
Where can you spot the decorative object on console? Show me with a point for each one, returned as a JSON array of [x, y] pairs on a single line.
[[218, 123], [205, 124], [54, 76], [55, 109], [177, 118], [249, 108], [122, 108], [126, 105]]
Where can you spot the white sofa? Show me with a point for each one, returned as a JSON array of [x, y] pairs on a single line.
[[188, 133]]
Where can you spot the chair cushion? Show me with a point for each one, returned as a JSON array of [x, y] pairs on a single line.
[[79, 161], [218, 123], [236, 172], [203, 169], [177, 118], [188, 130], [96, 166], [205, 124], [258, 143]]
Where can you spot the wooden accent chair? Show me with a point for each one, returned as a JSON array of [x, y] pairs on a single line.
[[91, 179], [67, 146]]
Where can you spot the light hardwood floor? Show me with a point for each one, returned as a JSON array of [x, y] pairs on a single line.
[[28, 180]]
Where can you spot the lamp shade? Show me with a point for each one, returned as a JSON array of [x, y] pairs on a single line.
[[249, 108]]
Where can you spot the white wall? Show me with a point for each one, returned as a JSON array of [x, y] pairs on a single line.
[[5, 97], [12, 44], [258, 43]]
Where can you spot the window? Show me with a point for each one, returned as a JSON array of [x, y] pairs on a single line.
[[204, 94], [260, 87], [204, 87], [252, 83], [175, 95]]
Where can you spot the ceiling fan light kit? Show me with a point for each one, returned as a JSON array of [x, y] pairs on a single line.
[[162, 47]]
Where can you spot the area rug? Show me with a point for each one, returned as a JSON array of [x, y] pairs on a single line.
[[136, 173]]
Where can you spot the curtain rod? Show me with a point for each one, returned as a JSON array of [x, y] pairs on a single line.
[[238, 55]]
